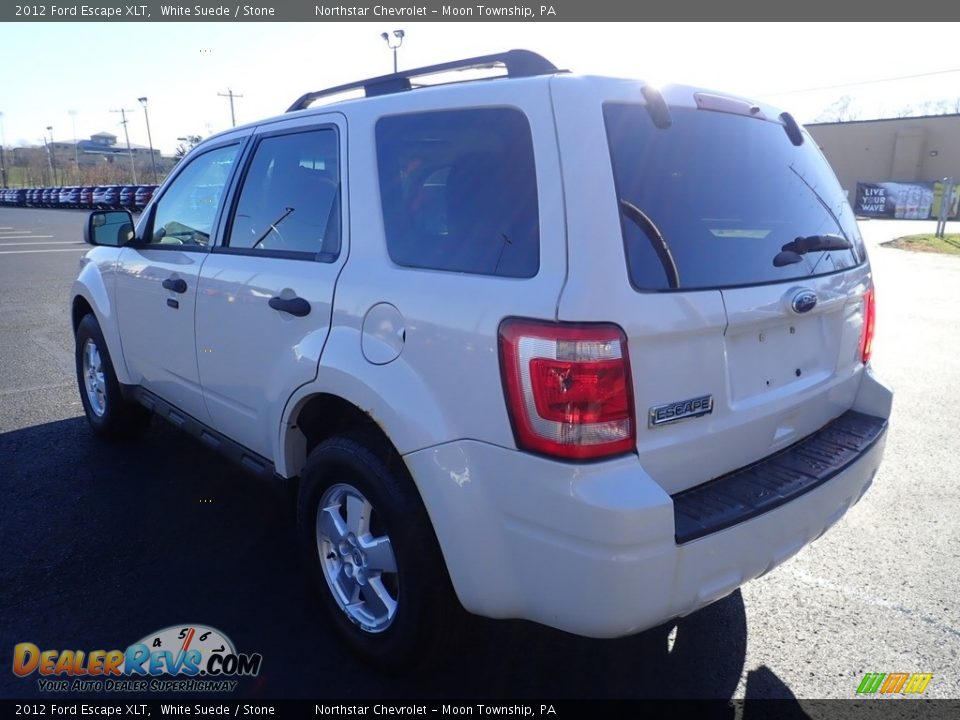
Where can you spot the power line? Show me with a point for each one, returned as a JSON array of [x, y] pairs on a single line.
[[861, 82]]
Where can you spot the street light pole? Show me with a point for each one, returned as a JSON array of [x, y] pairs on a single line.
[[76, 150], [153, 160], [3, 144], [50, 158], [397, 36]]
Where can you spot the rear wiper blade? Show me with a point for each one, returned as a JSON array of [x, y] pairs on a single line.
[[655, 237], [817, 242], [794, 250]]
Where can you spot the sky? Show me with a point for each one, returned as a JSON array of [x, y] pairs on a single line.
[[93, 69]]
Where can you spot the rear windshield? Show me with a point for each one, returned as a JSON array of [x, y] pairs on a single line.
[[712, 200]]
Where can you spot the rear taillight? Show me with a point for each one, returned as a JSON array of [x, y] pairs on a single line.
[[568, 388], [869, 324]]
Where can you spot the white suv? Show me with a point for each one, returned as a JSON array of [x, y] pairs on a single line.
[[563, 348]]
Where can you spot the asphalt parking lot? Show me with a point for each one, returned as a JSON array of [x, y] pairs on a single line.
[[101, 545]]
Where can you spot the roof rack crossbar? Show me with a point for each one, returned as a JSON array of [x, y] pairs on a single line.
[[519, 63]]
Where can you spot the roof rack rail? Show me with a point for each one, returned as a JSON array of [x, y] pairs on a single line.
[[519, 63]]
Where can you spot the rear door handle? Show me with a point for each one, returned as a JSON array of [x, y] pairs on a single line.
[[178, 286], [295, 305]]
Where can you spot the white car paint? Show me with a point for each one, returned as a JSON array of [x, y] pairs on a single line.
[[586, 547], [590, 549]]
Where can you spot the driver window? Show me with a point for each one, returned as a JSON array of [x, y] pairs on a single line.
[[185, 213]]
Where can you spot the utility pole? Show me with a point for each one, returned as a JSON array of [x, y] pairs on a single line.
[[229, 94], [123, 114], [153, 159]]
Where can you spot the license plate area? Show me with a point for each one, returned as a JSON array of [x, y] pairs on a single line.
[[768, 358]]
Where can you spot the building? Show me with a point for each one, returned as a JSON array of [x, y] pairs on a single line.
[[97, 160], [103, 147], [903, 150]]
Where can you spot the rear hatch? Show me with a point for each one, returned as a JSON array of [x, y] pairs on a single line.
[[728, 255]]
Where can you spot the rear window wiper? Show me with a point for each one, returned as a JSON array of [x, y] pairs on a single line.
[[655, 237], [794, 250]]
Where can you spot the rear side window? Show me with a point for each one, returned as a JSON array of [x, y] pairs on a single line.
[[710, 201], [290, 203], [458, 190]]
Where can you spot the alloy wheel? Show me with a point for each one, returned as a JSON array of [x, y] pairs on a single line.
[[357, 558]]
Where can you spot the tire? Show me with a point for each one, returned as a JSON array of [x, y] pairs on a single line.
[[111, 415], [372, 555]]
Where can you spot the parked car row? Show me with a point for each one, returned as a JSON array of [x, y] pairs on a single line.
[[131, 197]]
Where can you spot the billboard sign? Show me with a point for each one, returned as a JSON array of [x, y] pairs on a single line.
[[906, 200]]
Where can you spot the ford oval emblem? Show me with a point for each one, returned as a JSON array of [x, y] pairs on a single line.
[[804, 301]]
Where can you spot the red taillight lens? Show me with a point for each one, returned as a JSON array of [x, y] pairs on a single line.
[[869, 324], [568, 388], [579, 392]]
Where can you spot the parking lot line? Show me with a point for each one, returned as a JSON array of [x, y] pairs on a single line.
[[49, 242], [44, 242], [20, 252]]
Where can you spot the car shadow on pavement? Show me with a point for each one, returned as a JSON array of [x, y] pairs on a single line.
[[699, 656], [106, 544], [766, 695]]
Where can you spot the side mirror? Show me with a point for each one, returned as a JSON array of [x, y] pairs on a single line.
[[109, 228]]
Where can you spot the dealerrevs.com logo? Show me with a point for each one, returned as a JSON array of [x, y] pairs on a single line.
[[180, 658]]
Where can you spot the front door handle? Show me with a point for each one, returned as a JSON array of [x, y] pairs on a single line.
[[295, 305], [178, 286]]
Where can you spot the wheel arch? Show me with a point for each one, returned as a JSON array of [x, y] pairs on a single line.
[[79, 308], [321, 415], [392, 400], [320, 412], [89, 296]]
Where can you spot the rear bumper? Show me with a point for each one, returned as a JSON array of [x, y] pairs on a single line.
[[593, 548], [776, 480]]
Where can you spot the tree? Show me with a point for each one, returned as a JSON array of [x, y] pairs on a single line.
[[943, 106], [840, 110], [187, 144]]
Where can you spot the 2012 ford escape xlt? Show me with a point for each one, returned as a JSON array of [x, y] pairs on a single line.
[[570, 349]]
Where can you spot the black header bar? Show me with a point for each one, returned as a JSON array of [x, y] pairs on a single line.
[[855, 11], [788, 708]]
